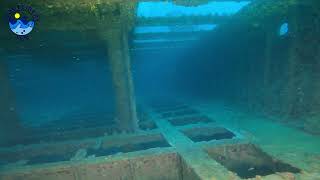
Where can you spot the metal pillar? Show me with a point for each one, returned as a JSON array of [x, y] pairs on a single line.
[[119, 61]]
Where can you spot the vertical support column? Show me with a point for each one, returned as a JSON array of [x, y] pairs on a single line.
[[295, 64], [9, 122], [303, 62], [119, 60], [270, 34]]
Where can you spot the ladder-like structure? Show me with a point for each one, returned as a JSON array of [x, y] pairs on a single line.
[[182, 143]]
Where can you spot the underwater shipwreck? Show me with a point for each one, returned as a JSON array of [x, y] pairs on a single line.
[[161, 90]]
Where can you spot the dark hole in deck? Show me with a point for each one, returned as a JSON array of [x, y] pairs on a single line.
[[190, 120], [183, 112], [44, 153], [208, 134], [131, 147], [174, 108], [62, 130], [8, 157], [68, 135], [48, 159], [163, 104], [3, 162], [248, 161], [147, 125]]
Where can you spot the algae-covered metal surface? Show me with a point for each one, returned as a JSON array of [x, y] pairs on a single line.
[[78, 15]]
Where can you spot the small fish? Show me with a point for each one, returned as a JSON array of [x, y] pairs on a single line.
[[284, 29], [251, 169]]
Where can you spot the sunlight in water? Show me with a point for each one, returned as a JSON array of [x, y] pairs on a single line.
[[284, 28], [167, 29], [169, 9]]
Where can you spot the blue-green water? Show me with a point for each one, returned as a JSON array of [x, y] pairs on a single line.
[[249, 67]]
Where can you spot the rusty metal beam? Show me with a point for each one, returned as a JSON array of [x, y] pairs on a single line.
[[119, 60]]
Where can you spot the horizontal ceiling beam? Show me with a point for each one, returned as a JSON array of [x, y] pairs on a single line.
[[167, 35], [192, 2], [185, 20]]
